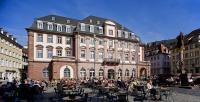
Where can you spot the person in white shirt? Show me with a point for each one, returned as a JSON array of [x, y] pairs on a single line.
[[151, 89]]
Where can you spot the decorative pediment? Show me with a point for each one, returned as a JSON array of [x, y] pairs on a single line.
[[109, 22]]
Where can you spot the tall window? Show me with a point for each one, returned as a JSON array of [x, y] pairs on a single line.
[[49, 38], [92, 41], [39, 24], [45, 73], [59, 39], [126, 57], [82, 40], [119, 33], [83, 73], [59, 52], [59, 27], [100, 41], [92, 28], [110, 43], [68, 28], [110, 54], [82, 27], [1, 62], [39, 52], [68, 41], [68, 52], [110, 32], [39, 38], [133, 57], [100, 30], [92, 72], [49, 52], [50, 26], [82, 53], [67, 73], [92, 54], [119, 73], [101, 73], [101, 55], [127, 72]]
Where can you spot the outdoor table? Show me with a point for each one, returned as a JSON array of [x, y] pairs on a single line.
[[75, 99]]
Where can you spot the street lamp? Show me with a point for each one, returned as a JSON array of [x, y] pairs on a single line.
[[94, 53]]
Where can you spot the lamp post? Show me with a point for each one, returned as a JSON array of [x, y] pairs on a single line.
[[94, 53]]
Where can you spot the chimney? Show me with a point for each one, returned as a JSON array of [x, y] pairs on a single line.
[[14, 39], [1, 30], [10, 36]]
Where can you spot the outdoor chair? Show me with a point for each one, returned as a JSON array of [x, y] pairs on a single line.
[[122, 97]]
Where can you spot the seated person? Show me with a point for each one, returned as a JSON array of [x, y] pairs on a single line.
[[151, 89]]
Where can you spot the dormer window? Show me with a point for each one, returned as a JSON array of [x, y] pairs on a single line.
[[90, 20], [53, 18], [68, 28], [92, 28], [59, 27], [68, 21], [110, 32], [50, 26], [126, 34], [100, 30], [82, 27], [98, 22], [39, 24], [119, 33]]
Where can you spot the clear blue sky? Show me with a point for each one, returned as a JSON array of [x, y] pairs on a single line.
[[150, 19]]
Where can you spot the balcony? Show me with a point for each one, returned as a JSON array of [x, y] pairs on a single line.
[[111, 61], [61, 58]]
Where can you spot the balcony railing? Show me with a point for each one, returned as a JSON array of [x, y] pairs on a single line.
[[61, 58], [111, 61]]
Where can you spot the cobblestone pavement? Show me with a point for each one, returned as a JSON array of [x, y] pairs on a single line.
[[178, 95]]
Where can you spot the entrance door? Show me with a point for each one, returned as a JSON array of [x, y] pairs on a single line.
[[111, 74]]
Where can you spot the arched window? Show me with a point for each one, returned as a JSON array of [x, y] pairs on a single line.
[[133, 73], [92, 72], [101, 72], [120, 73], [83, 72], [67, 73], [39, 51], [45, 73], [127, 73]]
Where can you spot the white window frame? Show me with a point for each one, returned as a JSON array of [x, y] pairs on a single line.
[[49, 38], [39, 37], [92, 28], [59, 27], [39, 24], [39, 53], [82, 26], [109, 32], [100, 30], [92, 55], [68, 28], [82, 54], [119, 33], [50, 26], [68, 41]]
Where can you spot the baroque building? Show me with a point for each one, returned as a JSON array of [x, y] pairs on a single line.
[[158, 54], [191, 54], [61, 47], [10, 57]]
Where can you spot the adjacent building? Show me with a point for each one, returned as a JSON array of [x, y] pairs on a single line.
[[61, 47], [158, 54], [10, 56], [191, 54]]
